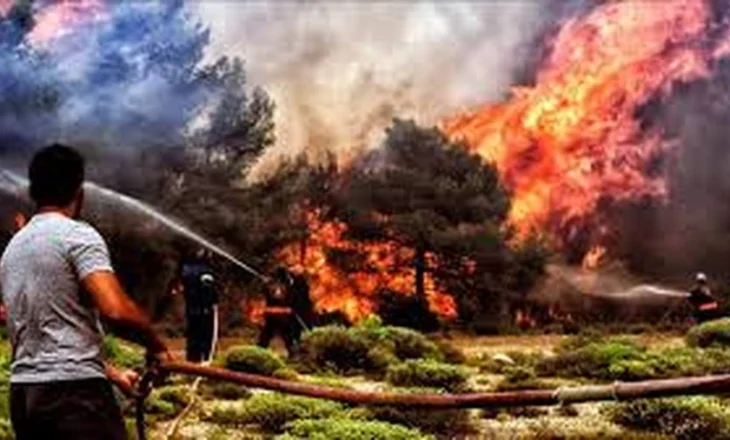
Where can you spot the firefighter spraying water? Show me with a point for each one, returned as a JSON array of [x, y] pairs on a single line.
[[288, 310], [704, 305]]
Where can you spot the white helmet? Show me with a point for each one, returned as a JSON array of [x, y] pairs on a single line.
[[207, 278], [701, 277]]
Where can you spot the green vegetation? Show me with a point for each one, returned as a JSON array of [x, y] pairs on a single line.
[[622, 359], [338, 428], [451, 422], [428, 373], [253, 359], [368, 348], [710, 333], [520, 378], [682, 418], [167, 402], [271, 411], [121, 354], [343, 351], [225, 391]]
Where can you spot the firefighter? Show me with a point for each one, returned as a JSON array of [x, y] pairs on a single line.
[[198, 285], [301, 303], [288, 310], [277, 315], [703, 303]]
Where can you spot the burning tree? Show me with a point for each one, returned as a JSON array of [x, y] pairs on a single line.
[[448, 205]]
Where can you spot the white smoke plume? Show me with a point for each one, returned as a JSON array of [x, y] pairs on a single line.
[[340, 71]]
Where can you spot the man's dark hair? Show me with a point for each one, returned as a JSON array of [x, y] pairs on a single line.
[[56, 173]]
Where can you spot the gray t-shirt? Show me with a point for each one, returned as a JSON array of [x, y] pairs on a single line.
[[53, 324]]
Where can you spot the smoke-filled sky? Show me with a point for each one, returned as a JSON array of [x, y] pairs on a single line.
[[339, 71]]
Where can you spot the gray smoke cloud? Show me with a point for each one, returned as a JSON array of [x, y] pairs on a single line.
[[340, 71]]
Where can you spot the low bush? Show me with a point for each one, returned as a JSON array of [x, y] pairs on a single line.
[[591, 360], [253, 359], [339, 428], [340, 350], [272, 411], [167, 402], [428, 373], [226, 391], [445, 421], [6, 430], [409, 344], [520, 378], [709, 333], [684, 418], [122, 355], [367, 348], [451, 354], [618, 359]]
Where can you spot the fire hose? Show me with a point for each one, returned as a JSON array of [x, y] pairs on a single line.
[[717, 384]]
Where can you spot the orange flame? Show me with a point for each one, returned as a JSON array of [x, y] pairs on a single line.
[[574, 138], [386, 266], [5, 6], [60, 16], [594, 257]]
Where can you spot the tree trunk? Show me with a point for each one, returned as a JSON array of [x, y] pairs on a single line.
[[420, 264]]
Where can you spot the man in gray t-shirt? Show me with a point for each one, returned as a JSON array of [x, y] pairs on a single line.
[[56, 278]]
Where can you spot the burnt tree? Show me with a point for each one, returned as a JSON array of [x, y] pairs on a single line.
[[433, 196]]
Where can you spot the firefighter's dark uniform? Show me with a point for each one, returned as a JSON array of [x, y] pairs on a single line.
[[278, 317], [201, 296], [704, 305], [302, 307]]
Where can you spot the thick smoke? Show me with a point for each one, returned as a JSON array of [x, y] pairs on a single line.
[[125, 76], [340, 71]]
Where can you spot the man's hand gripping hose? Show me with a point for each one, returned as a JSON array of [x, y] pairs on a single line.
[[153, 376]]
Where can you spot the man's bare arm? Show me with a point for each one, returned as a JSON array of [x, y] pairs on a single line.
[[116, 306]]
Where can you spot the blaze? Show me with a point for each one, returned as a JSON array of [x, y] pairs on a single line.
[[60, 16], [54, 19], [381, 266], [574, 137]]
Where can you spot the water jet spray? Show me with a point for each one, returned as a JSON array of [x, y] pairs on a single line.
[[19, 185]]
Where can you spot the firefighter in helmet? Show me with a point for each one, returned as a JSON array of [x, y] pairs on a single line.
[[197, 283], [288, 309], [704, 305]]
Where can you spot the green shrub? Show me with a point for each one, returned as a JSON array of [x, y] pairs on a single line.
[[428, 373], [451, 354], [591, 360], [6, 430], [673, 362], [226, 391], [4, 401], [367, 348], [520, 378], [410, 344], [339, 428], [122, 355], [253, 359], [684, 418], [709, 333], [632, 369], [272, 411], [167, 402], [343, 351], [442, 421]]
